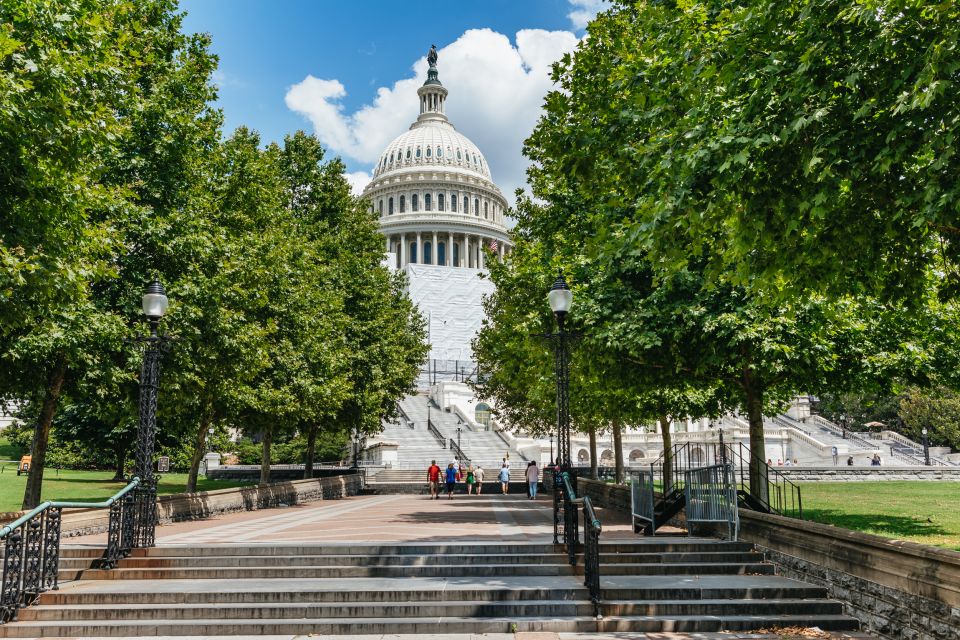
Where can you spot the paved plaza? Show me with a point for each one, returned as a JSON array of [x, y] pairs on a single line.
[[395, 518]]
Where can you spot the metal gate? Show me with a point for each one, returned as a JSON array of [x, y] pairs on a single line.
[[712, 498], [642, 501]]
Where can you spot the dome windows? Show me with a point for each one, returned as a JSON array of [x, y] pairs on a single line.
[[418, 152], [453, 203], [426, 198], [459, 157], [408, 153], [428, 152], [414, 202], [476, 206], [439, 202], [403, 204], [439, 152], [390, 206]]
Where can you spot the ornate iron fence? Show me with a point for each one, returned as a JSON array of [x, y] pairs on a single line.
[[31, 554], [591, 535]]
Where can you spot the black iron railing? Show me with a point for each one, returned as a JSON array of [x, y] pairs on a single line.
[[432, 428], [591, 535], [458, 452], [769, 491], [31, 554]]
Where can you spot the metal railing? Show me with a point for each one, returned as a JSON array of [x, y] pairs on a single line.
[[771, 491], [432, 428], [403, 416], [711, 497], [458, 452], [565, 493], [641, 500], [31, 554]]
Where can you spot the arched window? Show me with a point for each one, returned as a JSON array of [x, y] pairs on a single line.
[[380, 208], [427, 202], [403, 204], [408, 153], [466, 204], [583, 456], [413, 253], [453, 203], [418, 152], [439, 202], [428, 152], [483, 414], [637, 454], [390, 206], [606, 458], [427, 253], [459, 157], [391, 157], [484, 209], [442, 253], [476, 206], [439, 152], [414, 203]]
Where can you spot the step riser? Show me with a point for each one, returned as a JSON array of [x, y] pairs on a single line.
[[445, 609], [423, 627], [324, 572], [333, 561], [685, 569]]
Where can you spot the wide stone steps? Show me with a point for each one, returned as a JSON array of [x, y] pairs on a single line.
[[648, 585], [425, 625]]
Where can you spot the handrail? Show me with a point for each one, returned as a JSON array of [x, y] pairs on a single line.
[[780, 496], [458, 452], [592, 529], [406, 418], [43, 506], [432, 428], [31, 554]]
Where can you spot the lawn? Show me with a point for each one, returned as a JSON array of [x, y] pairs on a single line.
[[925, 512], [90, 486]]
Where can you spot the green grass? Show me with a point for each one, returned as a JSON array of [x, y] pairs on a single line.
[[8, 451], [91, 486], [925, 512]]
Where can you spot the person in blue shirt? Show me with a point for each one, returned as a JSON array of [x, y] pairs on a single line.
[[451, 480], [504, 478]]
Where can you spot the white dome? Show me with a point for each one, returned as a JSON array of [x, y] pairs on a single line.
[[432, 143]]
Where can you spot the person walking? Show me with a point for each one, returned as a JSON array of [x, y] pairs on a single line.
[[451, 480], [471, 480], [533, 477], [433, 479], [478, 476], [504, 479]]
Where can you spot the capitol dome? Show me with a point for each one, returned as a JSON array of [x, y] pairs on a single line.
[[433, 191]]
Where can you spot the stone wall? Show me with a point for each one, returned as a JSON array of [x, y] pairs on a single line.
[[897, 589], [204, 504], [251, 472], [605, 495], [869, 474]]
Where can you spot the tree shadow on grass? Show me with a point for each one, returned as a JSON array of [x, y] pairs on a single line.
[[878, 524]]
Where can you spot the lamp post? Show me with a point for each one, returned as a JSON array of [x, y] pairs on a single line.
[[551, 449], [926, 447], [459, 429], [843, 425], [155, 305], [560, 298], [210, 439]]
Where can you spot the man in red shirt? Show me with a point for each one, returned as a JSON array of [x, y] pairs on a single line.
[[433, 478]]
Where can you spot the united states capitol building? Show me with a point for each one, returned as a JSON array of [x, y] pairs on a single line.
[[442, 216]]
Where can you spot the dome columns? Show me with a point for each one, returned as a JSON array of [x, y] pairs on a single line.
[[453, 249]]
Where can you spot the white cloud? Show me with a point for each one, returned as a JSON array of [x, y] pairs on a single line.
[[358, 180], [584, 11], [496, 93]]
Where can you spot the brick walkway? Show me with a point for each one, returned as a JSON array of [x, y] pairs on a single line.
[[399, 518]]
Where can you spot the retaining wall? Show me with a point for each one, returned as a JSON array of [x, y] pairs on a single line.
[[897, 589], [869, 474], [204, 504]]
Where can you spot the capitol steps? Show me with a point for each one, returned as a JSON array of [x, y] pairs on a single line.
[[664, 584]]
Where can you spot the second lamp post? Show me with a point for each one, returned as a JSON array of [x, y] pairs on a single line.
[[560, 298]]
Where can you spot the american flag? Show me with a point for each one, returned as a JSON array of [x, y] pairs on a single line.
[[494, 245]]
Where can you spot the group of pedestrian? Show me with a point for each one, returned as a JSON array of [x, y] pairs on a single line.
[[473, 477], [454, 473]]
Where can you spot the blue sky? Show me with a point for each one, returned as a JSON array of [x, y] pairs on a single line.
[[345, 70]]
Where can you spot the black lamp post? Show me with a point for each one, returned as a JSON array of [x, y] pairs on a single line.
[[551, 449], [926, 448], [155, 304], [843, 426], [560, 298], [459, 429]]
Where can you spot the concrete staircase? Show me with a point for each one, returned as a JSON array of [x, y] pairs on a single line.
[[648, 585]]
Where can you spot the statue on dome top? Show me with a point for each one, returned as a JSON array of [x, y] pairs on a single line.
[[432, 56]]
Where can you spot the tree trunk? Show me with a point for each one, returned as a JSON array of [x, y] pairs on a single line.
[[265, 461], [753, 399], [311, 452], [618, 451], [664, 421], [120, 459], [199, 448], [593, 453], [41, 433]]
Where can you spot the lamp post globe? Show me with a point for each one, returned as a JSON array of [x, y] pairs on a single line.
[[154, 304]]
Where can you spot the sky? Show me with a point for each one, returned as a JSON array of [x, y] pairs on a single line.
[[348, 70]]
